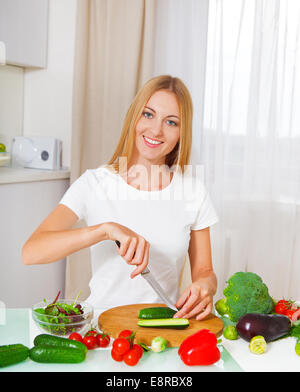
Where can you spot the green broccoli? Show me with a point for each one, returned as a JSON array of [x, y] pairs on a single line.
[[246, 293]]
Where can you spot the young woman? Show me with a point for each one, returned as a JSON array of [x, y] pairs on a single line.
[[145, 199]]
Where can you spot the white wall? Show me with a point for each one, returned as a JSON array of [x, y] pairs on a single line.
[[11, 103], [48, 92]]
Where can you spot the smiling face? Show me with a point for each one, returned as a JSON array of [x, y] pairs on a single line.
[[157, 131]]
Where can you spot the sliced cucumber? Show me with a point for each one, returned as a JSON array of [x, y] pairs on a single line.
[[156, 313], [174, 323]]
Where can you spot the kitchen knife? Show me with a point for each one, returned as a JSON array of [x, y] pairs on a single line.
[[146, 274]]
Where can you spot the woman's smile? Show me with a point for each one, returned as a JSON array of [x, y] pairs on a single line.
[[152, 143]]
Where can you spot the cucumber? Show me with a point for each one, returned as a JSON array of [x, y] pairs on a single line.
[[13, 353], [175, 323], [156, 313], [58, 341], [51, 354]]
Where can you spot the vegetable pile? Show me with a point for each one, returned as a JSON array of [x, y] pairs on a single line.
[[251, 314], [254, 315]]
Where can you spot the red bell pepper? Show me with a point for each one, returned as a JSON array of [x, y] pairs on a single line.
[[200, 349]]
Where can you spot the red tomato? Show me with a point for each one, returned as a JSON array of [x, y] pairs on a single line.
[[139, 349], [282, 306], [121, 346], [75, 336], [91, 333], [290, 313], [126, 333], [103, 340], [90, 342], [132, 357], [116, 357]]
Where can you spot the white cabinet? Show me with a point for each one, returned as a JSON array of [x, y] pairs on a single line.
[[23, 207], [24, 31]]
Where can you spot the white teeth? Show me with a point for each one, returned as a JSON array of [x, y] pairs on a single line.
[[151, 141]]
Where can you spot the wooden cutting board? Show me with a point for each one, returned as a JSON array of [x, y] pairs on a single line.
[[114, 320]]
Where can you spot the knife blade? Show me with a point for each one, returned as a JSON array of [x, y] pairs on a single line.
[[148, 276]]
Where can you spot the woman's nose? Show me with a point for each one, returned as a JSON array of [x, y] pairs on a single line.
[[157, 127]]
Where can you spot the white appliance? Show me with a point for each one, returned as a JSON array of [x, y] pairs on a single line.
[[37, 152]]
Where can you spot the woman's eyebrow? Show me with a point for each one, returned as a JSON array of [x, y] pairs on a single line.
[[171, 115]]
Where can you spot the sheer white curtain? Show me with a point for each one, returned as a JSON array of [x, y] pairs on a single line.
[[251, 138], [248, 129]]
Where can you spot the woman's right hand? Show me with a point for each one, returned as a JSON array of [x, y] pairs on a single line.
[[134, 249]]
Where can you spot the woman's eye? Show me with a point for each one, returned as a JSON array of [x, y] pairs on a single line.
[[147, 114], [173, 123]]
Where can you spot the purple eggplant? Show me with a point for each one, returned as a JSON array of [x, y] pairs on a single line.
[[270, 326]]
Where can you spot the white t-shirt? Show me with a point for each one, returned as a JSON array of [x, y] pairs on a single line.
[[164, 218]]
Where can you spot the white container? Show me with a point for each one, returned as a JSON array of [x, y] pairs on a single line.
[[37, 152]]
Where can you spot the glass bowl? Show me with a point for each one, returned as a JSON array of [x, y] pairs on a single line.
[[62, 325]]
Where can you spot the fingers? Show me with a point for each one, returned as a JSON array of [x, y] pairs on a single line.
[[139, 254], [130, 250], [140, 267], [135, 251], [201, 310], [183, 298], [194, 303], [189, 304], [205, 312]]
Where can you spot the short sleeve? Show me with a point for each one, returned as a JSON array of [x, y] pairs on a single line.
[[206, 215], [75, 196]]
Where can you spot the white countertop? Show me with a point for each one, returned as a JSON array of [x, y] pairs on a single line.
[[10, 175]]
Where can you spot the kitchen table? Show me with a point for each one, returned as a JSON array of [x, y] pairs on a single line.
[[17, 326]]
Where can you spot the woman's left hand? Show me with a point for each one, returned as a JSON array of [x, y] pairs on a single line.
[[196, 300]]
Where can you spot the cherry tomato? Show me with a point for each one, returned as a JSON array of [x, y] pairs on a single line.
[[75, 336], [139, 349], [103, 340], [126, 333], [90, 342], [116, 357], [121, 346], [132, 357]]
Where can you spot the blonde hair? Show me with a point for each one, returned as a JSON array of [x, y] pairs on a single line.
[[180, 155]]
